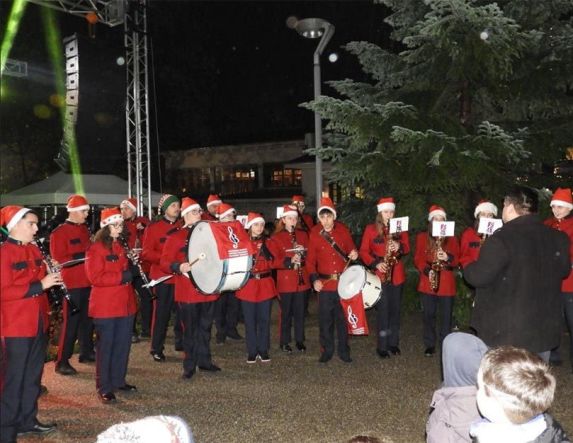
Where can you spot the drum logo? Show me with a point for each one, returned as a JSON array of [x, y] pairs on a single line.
[[233, 237], [352, 318]]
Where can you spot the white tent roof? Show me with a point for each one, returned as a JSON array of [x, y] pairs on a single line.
[[99, 189]]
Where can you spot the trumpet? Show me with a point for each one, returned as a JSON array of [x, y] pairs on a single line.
[[134, 260]]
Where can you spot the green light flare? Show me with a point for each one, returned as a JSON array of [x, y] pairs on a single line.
[[56, 51], [16, 13]]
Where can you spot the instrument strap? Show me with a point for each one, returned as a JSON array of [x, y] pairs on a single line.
[[332, 243]]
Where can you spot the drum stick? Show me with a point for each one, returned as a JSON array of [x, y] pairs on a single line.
[[201, 256]]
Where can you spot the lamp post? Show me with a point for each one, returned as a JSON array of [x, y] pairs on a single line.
[[316, 28]]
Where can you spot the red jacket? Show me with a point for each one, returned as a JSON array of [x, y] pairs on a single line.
[[322, 259], [423, 259], [22, 300], [287, 277], [260, 286], [373, 250], [174, 253], [308, 222], [70, 241], [153, 241], [470, 244], [208, 216], [112, 294], [565, 225]]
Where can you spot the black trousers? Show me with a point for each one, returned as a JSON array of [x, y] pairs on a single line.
[[145, 307], [163, 305], [226, 314], [257, 326], [431, 304], [388, 316], [197, 319], [21, 366], [292, 311], [76, 326], [331, 315]]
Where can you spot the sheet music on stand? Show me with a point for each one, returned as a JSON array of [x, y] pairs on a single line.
[[443, 228], [488, 226], [399, 224]]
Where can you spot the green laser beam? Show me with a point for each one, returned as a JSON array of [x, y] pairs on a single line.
[[16, 13]]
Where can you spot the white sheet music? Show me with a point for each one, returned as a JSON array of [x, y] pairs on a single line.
[[488, 226], [443, 229], [399, 224], [242, 219], [280, 211]]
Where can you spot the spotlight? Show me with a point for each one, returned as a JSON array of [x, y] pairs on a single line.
[[120, 61], [333, 57]]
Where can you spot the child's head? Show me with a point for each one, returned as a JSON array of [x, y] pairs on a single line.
[[514, 385]]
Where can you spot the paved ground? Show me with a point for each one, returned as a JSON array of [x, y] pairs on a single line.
[[291, 399]]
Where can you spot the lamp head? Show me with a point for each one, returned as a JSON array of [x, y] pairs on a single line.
[[311, 27]]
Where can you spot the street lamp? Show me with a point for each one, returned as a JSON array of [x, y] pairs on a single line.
[[316, 28]]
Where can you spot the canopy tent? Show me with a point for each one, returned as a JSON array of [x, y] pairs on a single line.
[[100, 189]]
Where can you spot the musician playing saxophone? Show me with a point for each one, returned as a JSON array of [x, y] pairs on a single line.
[[435, 259], [382, 252]]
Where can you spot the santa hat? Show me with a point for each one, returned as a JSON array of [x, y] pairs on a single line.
[[562, 197], [326, 203], [224, 210], [77, 203], [165, 201], [213, 199], [109, 216], [298, 198], [289, 210], [252, 218], [386, 204], [10, 215], [485, 206], [434, 211], [188, 205], [130, 203]]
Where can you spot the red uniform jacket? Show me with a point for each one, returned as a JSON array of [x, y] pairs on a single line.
[[373, 250], [153, 242], [112, 294], [260, 286], [70, 241], [308, 222], [287, 276], [470, 244], [174, 253], [22, 300], [565, 225], [323, 260], [423, 259]]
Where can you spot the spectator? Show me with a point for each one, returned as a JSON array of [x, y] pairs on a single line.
[[152, 429]]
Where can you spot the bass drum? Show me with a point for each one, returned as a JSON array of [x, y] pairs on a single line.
[[357, 279], [212, 273]]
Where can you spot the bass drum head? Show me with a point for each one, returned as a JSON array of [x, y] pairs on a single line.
[[208, 272], [351, 282]]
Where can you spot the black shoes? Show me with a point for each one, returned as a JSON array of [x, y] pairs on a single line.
[[395, 350], [345, 358], [211, 368], [179, 347], [90, 358], [157, 356], [324, 357], [251, 359], [382, 354], [127, 388], [430, 351], [264, 356], [107, 398], [188, 375], [286, 348], [300, 346], [64, 368], [38, 429], [234, 335]]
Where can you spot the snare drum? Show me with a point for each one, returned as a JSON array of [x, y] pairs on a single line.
[[357, 278], [227, 261]]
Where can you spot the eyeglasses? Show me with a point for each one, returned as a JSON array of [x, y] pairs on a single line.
[[196, 211], [117, 225]]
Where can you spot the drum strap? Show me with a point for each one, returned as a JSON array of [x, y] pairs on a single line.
[[332, 243]]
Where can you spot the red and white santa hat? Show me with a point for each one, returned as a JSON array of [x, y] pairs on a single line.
[[434, 211], [562, 197], [252, 218], [130, 203], [109, 216], [386, 204], [188, 205], [298, 198], [213, 199], [10, 215], [326, 203], [77, 203], [485, 206], [289, 210], [223, 210]]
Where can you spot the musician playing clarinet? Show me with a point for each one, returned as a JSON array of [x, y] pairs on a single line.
[[471, 240], [293, 284], [330, 248], [382, 252], [435, 259], [196, 309], [70, 241], [24, 325]]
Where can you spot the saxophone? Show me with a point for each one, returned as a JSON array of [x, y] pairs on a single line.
[[436, 266], [390, 257]]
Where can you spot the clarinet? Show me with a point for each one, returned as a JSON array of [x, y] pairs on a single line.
[[297, 266], [129, 253], [54, 295]]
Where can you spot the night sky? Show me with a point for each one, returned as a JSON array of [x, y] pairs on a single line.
[[224, 73]]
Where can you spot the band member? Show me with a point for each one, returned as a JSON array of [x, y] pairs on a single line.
[[134, 229], [154, 240], [70, 241], [471, 241], [305, 220], [24, 314], [196, 309], [383, 252], [329, 250], [213, 202], [112, 305], [228, 305], [435, 258], [562, 220], [292, 277], [257, 295]]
